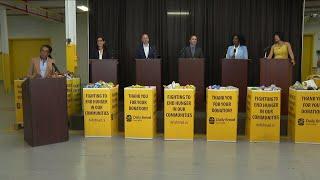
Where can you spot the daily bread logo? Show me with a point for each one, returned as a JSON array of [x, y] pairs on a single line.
[[211, 120], [129, 118], [301, 122]]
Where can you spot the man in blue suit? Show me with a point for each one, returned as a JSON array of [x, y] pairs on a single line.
[[145, 50], [238, 50]]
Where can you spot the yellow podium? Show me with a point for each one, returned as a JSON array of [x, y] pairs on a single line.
[[140, 112], [304, 116], [179, 114], [222, 114], [18, 101], [263, 115], [100, 109]]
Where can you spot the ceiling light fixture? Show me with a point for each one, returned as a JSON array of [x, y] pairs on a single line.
[[83, 8]]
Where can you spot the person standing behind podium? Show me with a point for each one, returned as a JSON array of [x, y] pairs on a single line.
[[192, 51], [42, 66], [281, 49], [144, 50], [101, 49], [238, 50]]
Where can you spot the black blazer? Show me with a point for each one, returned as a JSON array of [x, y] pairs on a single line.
[[105, 55], [186, 53], [140, 52]]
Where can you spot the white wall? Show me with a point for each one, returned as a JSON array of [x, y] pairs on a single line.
[[35, 27], [315, 30]]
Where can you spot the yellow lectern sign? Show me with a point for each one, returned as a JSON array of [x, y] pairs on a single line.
[[140, 112], [263, 115], [100, 108], [304, 116], [179, 114], [222, 115], [18, 100]]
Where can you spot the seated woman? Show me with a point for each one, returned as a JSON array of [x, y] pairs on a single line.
[[281, 49], [237, 50]]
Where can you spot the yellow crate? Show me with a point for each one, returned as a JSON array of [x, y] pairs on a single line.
[[100, 109], [76, 96], [18, 101], [69, 96], [263, 115], [140, 112], [222, 115], [179, 114], [304, 116]]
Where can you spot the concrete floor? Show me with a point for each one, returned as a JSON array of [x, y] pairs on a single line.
[[117, 158]]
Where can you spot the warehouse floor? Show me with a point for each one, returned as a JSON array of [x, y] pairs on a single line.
[[117, 158]]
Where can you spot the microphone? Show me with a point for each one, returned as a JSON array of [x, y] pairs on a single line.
[[182, 51], [55, 67], [234, 53], [265, 50]]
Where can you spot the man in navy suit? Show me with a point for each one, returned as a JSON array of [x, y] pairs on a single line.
[[144, 50]]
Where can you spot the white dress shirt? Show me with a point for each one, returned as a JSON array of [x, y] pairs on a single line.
[[146, 50], [100, 54], [43, 67]]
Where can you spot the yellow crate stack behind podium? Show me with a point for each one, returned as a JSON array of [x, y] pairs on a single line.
[[76, 96], [304, 116], [69, 97], [222, 115], [100, 109], [263, 115], [179, 114], [18, 101], [140, 112]]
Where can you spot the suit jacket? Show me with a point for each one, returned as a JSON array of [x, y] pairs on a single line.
[[242, 52], [186, 53], [105, 54], [141, 55], [34, 69]]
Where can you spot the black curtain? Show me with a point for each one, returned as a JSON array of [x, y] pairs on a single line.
[[214, 21]]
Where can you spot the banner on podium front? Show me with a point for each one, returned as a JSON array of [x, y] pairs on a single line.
[[140, 112], [304, 116], [100, 109], [222, 114], [179, 114], [263, 115]]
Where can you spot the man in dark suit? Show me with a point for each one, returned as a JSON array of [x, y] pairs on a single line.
[[144, 50], [192, 51]]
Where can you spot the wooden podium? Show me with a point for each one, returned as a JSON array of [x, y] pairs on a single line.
[[279, 73], [45, 111], [234, 72], [148, 73], [105, 70], [191, 71]]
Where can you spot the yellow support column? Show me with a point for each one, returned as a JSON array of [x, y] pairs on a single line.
[[71, 35], [4, 50]]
